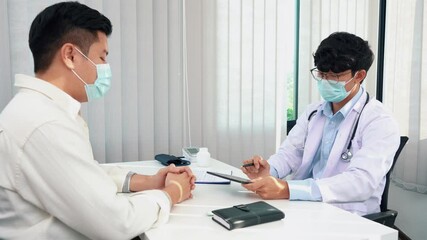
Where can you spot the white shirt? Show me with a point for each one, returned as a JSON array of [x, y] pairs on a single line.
[[50, 185]]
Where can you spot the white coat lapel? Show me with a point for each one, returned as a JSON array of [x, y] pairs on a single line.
[[314, 136]]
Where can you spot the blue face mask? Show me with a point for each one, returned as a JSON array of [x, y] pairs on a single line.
[[333, 92], [102, 83]]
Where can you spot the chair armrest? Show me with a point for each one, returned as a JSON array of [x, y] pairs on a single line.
[[386, 218]]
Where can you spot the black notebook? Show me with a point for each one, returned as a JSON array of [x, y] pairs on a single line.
[[246, 215]]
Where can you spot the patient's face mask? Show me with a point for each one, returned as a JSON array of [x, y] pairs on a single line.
[[102, 83]]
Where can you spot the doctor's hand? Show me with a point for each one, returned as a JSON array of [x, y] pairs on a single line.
[[144, 182], [178, 186], [260, 167], [269, 187]]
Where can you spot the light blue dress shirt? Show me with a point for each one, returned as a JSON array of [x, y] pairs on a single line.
[[307, 189]]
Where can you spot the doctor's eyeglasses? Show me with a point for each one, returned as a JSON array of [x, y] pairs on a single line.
[[332, 78]]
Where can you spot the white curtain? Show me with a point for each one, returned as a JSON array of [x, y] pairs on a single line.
[[239, 54], [5, 56], [320, 18], [405, 87]]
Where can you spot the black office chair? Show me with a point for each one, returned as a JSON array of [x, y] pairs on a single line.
[[388, 216]]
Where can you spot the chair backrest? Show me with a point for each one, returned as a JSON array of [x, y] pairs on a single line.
[[384, 199]]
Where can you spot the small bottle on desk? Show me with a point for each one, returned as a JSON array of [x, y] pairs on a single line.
[[203, 157]]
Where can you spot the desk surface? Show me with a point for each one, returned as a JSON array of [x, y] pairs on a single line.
[[303, 219]]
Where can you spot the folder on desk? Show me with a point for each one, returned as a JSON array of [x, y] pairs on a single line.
[[245, 215]]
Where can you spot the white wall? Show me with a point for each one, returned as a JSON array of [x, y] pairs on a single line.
[[412, 211]]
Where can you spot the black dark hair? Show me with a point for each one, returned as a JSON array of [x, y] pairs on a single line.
[[342, 51], [65, 22]]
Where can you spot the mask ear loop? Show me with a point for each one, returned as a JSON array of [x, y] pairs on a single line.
[[351, 79], [85, 56], [79, 77], [76, 73]]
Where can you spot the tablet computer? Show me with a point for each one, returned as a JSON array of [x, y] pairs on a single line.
[[230, 177]]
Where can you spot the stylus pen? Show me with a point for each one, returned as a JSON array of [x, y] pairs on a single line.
[[248, 164]]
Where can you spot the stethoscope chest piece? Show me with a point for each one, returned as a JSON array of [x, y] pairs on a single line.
[[346, 156]]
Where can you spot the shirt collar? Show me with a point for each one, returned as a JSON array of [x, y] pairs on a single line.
[[327, 107], [61, 98], [348, 106]]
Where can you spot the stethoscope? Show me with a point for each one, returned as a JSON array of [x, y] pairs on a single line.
[[347, 154]]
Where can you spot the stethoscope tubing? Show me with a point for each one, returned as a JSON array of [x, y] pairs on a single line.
[[347, 154]]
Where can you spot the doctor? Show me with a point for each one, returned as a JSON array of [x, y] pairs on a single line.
[[340, 149]]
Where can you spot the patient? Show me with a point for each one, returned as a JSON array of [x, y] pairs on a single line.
[[50, 185]]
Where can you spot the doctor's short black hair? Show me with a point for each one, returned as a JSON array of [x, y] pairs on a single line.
[[342, 51], [64, 22]]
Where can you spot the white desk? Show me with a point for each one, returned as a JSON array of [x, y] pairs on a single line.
[[303, 220]]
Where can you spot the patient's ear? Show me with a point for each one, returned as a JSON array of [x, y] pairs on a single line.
[[67, 53]]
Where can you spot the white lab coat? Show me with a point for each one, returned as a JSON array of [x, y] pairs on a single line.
[[357, 185]]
